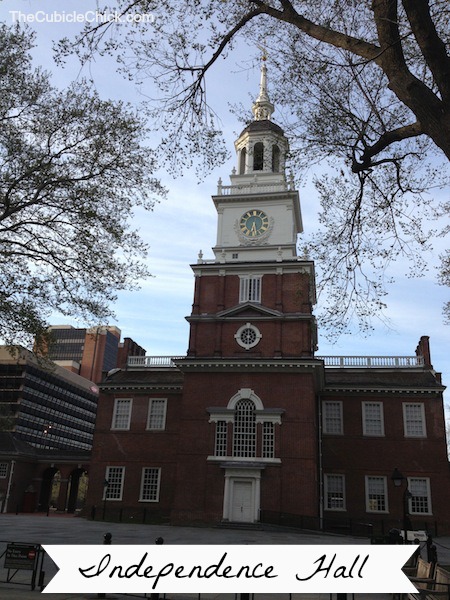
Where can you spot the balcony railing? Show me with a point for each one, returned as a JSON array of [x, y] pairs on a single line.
[[372, 362], [251, 188], [358, 362], [156, 362]]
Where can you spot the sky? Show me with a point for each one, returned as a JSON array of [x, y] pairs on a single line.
[[154, 316]]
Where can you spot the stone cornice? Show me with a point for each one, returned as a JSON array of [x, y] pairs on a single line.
[[238, 364], [372, 389], [255, 317], [262, 267], [145, 387]]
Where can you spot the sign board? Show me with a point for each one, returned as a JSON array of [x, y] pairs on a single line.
[[21, 556]]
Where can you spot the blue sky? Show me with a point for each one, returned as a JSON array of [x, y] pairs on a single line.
[[154, 316]]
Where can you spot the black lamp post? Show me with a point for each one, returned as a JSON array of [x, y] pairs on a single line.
[[105, 495], [398, 478]]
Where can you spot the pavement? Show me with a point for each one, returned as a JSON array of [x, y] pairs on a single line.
[[67, 529]]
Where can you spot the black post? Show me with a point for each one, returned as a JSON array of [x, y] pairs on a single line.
[[431, 550], [107, 541], [159, 541]]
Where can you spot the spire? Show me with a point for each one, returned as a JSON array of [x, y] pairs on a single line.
[[263, 108]]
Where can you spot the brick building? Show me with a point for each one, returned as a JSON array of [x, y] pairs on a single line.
[[251, 425], [90, 352]]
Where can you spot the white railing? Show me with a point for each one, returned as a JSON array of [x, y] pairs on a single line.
[[250, 188], [361, 362], [156, 362], [372, 362]]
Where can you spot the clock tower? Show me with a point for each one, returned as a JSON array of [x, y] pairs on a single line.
[[248, 440]]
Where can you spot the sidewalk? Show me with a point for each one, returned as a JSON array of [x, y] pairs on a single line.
[[55, 529]]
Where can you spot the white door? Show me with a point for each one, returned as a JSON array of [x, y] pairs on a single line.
[[242, 504]]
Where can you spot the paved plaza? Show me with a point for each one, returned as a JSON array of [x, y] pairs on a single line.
[[65, 529]]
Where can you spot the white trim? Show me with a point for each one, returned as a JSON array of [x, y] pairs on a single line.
[[244, 394], [430, 508], [250, 288], [325, 404], [343, 508], [423, 434], [364, 418], [141, 490], [385, 493], [250, 475], [247, 344], [122, 480], [149, 411], [114, 415]]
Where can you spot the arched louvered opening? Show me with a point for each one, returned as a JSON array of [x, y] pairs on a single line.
[[275, 159], [242, 160], [258, 156]]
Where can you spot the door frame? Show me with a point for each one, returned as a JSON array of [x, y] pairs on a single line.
[[247, 475]]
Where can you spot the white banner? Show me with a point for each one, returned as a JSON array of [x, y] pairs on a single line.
[[233, 569]]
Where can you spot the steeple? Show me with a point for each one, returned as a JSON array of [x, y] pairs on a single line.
[[263, 108], [262, 146]]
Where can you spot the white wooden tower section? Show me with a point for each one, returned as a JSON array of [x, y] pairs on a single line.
[[259, 215]]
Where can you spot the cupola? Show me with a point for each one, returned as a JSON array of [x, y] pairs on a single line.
[[262, 146]]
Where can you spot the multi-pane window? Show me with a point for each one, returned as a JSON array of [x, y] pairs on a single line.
[[113, 488], [122, 413], [414, 419], [334, 492], [373, 423], [156, 413], [244, 432], [420, 499], [268, 440], [376, 494], [3, 470], [332, 417], [221, 439], [151, 477], [250, 289]]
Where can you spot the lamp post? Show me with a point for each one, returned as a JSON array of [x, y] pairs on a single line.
[[398, 478], [105, 496]]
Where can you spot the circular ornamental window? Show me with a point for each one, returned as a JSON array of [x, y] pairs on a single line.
[[247, 336]]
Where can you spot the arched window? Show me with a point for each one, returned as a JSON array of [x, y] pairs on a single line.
[[244, 433], [275, 158], [258, 156], [242, 160]]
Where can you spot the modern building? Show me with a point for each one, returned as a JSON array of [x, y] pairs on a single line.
[[251, 425], [47, 418], [90, 352]]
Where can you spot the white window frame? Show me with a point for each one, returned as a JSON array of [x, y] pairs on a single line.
[[411, 498], [383, 480], [250, 289], [162, 426], [268, 439], [116, 416], [3, 470], [327, 429], [327, 480], [110, 478], [221, 438], [145, 470], [366, 421], [407, 421]]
